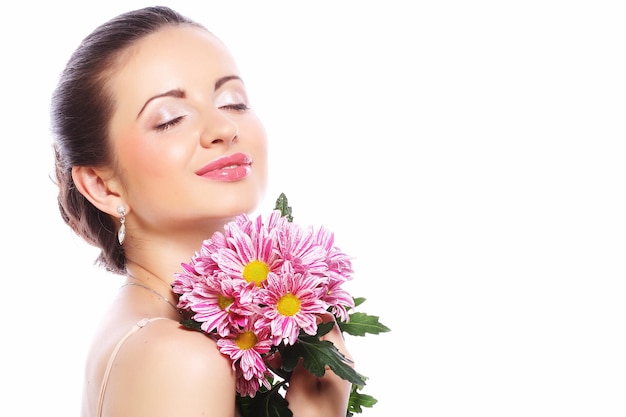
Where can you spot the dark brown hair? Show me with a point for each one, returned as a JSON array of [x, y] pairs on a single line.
[[81, 109]]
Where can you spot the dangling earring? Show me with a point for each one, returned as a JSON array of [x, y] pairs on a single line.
[[121, 234]]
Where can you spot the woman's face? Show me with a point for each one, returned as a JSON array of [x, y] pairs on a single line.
[[188, 147]]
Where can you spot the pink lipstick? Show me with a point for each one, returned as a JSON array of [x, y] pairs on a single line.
[[227, 168]]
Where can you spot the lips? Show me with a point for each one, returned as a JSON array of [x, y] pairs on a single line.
[[227, 168]]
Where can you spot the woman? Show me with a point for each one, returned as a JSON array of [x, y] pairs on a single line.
[[156, 149]]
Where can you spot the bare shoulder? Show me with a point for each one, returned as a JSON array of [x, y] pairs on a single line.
[[164, 369]]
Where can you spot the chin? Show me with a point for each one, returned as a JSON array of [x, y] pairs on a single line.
[[238, 202]]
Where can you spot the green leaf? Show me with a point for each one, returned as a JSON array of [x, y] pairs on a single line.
[[322, 329], [264, 404], [283, 206], [192, 324], [359, 400], [361, 324], [358, 301], [316, 354]]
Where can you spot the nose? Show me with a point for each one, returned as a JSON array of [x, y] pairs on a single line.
[[218, 129]]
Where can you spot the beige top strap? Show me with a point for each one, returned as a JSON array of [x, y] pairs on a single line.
[[141, 323]]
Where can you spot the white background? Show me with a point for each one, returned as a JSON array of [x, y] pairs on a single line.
[[469, 155]]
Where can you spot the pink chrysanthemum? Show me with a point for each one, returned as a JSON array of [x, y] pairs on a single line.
[[184, 284], [246, 349], [339, 264], [259, 284], [250, 253], [202, 262], [293, 300], [249, 387], [338, 299], [297, 246], [216, 303]]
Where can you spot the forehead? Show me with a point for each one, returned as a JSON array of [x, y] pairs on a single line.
[[176, 47], [183, 38]]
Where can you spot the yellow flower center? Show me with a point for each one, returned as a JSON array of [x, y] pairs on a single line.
[[288, 305], [224, 302], [256, 271], [246, 340]]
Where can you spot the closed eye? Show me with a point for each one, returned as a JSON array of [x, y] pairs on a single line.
[[237, 107], [169, 124]]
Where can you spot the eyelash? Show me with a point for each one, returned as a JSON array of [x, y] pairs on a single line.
[[168, 125], [237, 107]]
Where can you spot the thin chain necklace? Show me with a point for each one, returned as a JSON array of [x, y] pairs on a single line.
[[164, 298]]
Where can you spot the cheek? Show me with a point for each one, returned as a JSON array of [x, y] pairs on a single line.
[[151, 158], [259, 146], [258, 140]]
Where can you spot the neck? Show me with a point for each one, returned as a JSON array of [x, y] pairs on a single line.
[[140, 277], [160, 256], [138, 284], [138, 273]]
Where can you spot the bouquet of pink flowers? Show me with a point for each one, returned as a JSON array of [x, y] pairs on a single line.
[[259, 288]]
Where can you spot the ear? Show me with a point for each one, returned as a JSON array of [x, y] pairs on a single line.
[[100, 187]]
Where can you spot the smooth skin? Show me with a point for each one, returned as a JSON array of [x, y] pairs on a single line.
[[180, 103]]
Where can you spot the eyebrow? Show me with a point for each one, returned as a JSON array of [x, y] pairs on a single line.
[[224, 80], [178, 93]]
